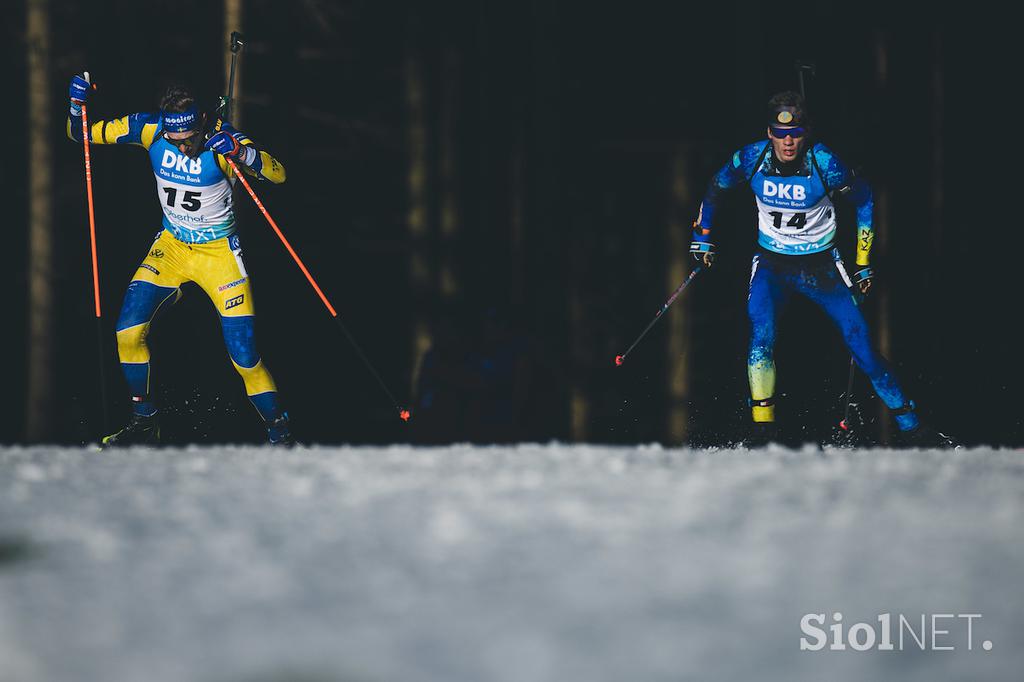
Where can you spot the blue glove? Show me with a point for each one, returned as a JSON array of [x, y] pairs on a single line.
[[78, 91], [702, 250], [862, 279], [225, 144]]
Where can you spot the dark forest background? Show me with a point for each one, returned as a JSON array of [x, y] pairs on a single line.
[[497, 197]]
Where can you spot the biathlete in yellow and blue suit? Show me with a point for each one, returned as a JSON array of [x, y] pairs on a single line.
[[794, 180], [198, 243]]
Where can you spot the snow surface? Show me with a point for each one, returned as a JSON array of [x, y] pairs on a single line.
[[512, 564]]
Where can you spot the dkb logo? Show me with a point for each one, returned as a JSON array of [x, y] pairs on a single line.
[[181, 163], [784, 191]]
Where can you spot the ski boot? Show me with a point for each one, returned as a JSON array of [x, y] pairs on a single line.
[[278, 433], [925, 437], [141, 430]]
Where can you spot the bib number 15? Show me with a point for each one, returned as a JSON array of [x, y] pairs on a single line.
[[189, 200]]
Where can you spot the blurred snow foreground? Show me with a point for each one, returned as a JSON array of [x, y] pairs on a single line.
[[545, 562]]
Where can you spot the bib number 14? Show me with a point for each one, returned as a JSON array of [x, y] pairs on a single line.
[[189, 200], [796, 221]]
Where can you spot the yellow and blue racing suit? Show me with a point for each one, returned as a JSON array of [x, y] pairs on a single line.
[[197, 244], [797, 254]]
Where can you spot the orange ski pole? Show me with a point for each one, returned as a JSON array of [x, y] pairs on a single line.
[[92, 214], [402, 412], [95, 262]]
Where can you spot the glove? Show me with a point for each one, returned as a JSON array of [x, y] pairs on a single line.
[[225, 144], [78, 90], [862, 279], [702, 250]]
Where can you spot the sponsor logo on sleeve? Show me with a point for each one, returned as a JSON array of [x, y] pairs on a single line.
[[156, 253], [149, 267], [866, 236], [234, 302]]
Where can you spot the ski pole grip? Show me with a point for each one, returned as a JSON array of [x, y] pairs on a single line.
[[237, 42]]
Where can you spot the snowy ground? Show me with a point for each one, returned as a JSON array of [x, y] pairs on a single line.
[[506, 564]]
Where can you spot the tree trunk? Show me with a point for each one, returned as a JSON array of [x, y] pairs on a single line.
[[679, 328], [448, 174], [881, 243], [40, 272], [938, 93], [421, 277]]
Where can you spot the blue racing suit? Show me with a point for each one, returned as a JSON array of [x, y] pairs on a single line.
[[797, 254]]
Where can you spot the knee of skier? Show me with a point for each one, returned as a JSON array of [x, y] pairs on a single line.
[[257, 379], [869, 361], [240, 339], [762, 335], [760, 355], [855, 334], [762, 327]]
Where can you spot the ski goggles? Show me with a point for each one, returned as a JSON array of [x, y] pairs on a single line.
[[782, 133], [180, 122], [186, 139]]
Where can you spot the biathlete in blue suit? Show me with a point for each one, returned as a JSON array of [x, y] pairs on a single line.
[[794, 181], [188, 155]]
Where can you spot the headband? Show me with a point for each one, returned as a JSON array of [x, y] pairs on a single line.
[[180, 122]]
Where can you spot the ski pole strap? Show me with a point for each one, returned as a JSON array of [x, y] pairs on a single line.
[[701, 247]]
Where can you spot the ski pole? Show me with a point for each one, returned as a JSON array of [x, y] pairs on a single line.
[[237, 43], [844, 423], [402, 412], [92, 215], [802, 66], [619, 359], [95, 259]]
